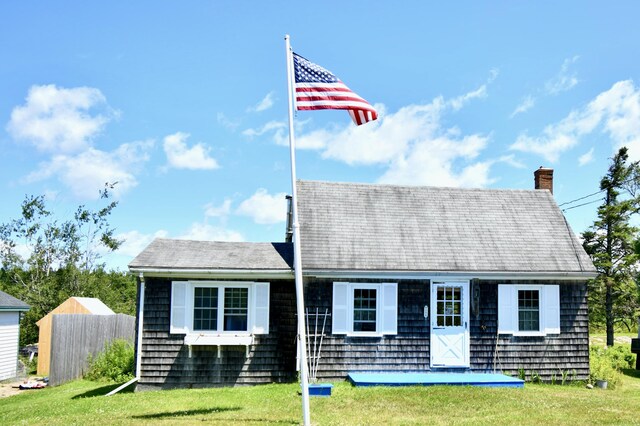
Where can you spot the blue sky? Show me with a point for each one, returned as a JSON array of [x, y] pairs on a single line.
[[185, 104]]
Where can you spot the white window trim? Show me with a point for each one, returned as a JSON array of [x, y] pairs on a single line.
[[257, 307], [383, 309], [549, 316]]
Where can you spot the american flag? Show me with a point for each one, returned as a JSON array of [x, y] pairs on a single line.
[[318, 88]]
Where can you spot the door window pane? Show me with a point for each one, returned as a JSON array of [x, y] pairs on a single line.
[[449, 306]]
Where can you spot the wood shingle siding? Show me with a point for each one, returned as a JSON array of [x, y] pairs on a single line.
[[165, 358], [408, 351], [546, 356]]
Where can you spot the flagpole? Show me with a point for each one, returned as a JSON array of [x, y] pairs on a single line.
[[297, 261]]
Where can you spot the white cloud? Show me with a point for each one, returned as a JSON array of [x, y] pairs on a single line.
[[411, 143], [266, 103], [86, 173], [205, 232], [564, 80], [226, 121], [263, 208], [218, 211], [460, 101], [527, 103], [133, 242], [586, 158], [179, 156], [60, 120], [511, 160], [616, 111], [268, 127], [432, 162]]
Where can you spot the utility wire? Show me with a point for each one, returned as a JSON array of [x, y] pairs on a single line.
[[631, 179], [583, 204], [581, 198]]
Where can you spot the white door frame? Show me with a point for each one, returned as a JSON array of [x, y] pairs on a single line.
[[449, 340]]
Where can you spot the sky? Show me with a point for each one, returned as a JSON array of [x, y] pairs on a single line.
[[184, 105]]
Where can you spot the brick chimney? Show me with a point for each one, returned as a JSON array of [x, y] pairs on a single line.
[[543, 178]]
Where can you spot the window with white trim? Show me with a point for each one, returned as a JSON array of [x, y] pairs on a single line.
[[219, 308], [363, 309], [528, 310]]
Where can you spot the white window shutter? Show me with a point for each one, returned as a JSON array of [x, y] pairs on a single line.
[[551, 306], [389, 310], [340, 314], [261, 308], [507, 309], [179, 305]]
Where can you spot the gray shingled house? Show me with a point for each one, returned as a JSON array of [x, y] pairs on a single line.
[[415, 279]]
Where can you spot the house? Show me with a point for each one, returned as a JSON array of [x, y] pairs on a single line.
[[73, 305], [10, 309], [414, 279]]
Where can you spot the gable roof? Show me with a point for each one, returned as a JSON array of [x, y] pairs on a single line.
[[167, 254], [94, 306], [10, 303], [365, 227]]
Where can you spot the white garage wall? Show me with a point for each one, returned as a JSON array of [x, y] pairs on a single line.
[[9, 337]]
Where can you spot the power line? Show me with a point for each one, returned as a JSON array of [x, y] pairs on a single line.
[[581, 198], [583, 204], [631, 179]]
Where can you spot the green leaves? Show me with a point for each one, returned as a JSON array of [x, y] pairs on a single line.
[[612, 243], [44, 260]]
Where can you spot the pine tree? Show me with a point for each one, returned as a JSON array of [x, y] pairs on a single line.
[[613, 295]]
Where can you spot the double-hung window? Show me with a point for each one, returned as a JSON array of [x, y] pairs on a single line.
[[364, 309], [219, 308], [528, 310]]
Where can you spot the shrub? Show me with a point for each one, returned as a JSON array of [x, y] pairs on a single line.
[[607, 363], [115, 363]]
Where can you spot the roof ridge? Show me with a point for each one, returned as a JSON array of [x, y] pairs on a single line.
[[391, 185]]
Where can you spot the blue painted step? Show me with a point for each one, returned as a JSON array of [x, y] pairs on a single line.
[[433, 379]]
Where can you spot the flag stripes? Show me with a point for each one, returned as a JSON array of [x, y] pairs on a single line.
[[318, 88]]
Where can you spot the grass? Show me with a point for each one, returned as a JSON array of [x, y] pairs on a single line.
[[82, 402], [619, 337]]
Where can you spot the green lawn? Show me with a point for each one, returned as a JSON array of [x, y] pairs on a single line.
[[82, 403]]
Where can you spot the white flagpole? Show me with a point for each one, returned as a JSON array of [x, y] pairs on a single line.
[[297, 261]]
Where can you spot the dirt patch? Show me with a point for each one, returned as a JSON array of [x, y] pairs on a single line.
[[10, 388]]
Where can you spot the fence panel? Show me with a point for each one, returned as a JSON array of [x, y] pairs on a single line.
[[75, 336]]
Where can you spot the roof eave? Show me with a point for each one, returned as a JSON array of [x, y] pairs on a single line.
[[487, 275], [15, 308], [212, 273]]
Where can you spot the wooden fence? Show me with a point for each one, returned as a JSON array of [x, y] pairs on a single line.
[[75, 336]]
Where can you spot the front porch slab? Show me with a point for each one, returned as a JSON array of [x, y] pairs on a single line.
[[434, 379]]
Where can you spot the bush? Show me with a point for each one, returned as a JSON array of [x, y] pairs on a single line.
[[116, 363], [607, 363]]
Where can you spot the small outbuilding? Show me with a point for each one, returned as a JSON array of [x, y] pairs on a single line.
[[10, 309], [73, 305]]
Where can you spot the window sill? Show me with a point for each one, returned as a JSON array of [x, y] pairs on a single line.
[[524, 333], [377, 335], [194, 339]]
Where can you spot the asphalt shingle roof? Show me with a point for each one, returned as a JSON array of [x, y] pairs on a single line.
[[365, 227], [210, 255], [8, 302]]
